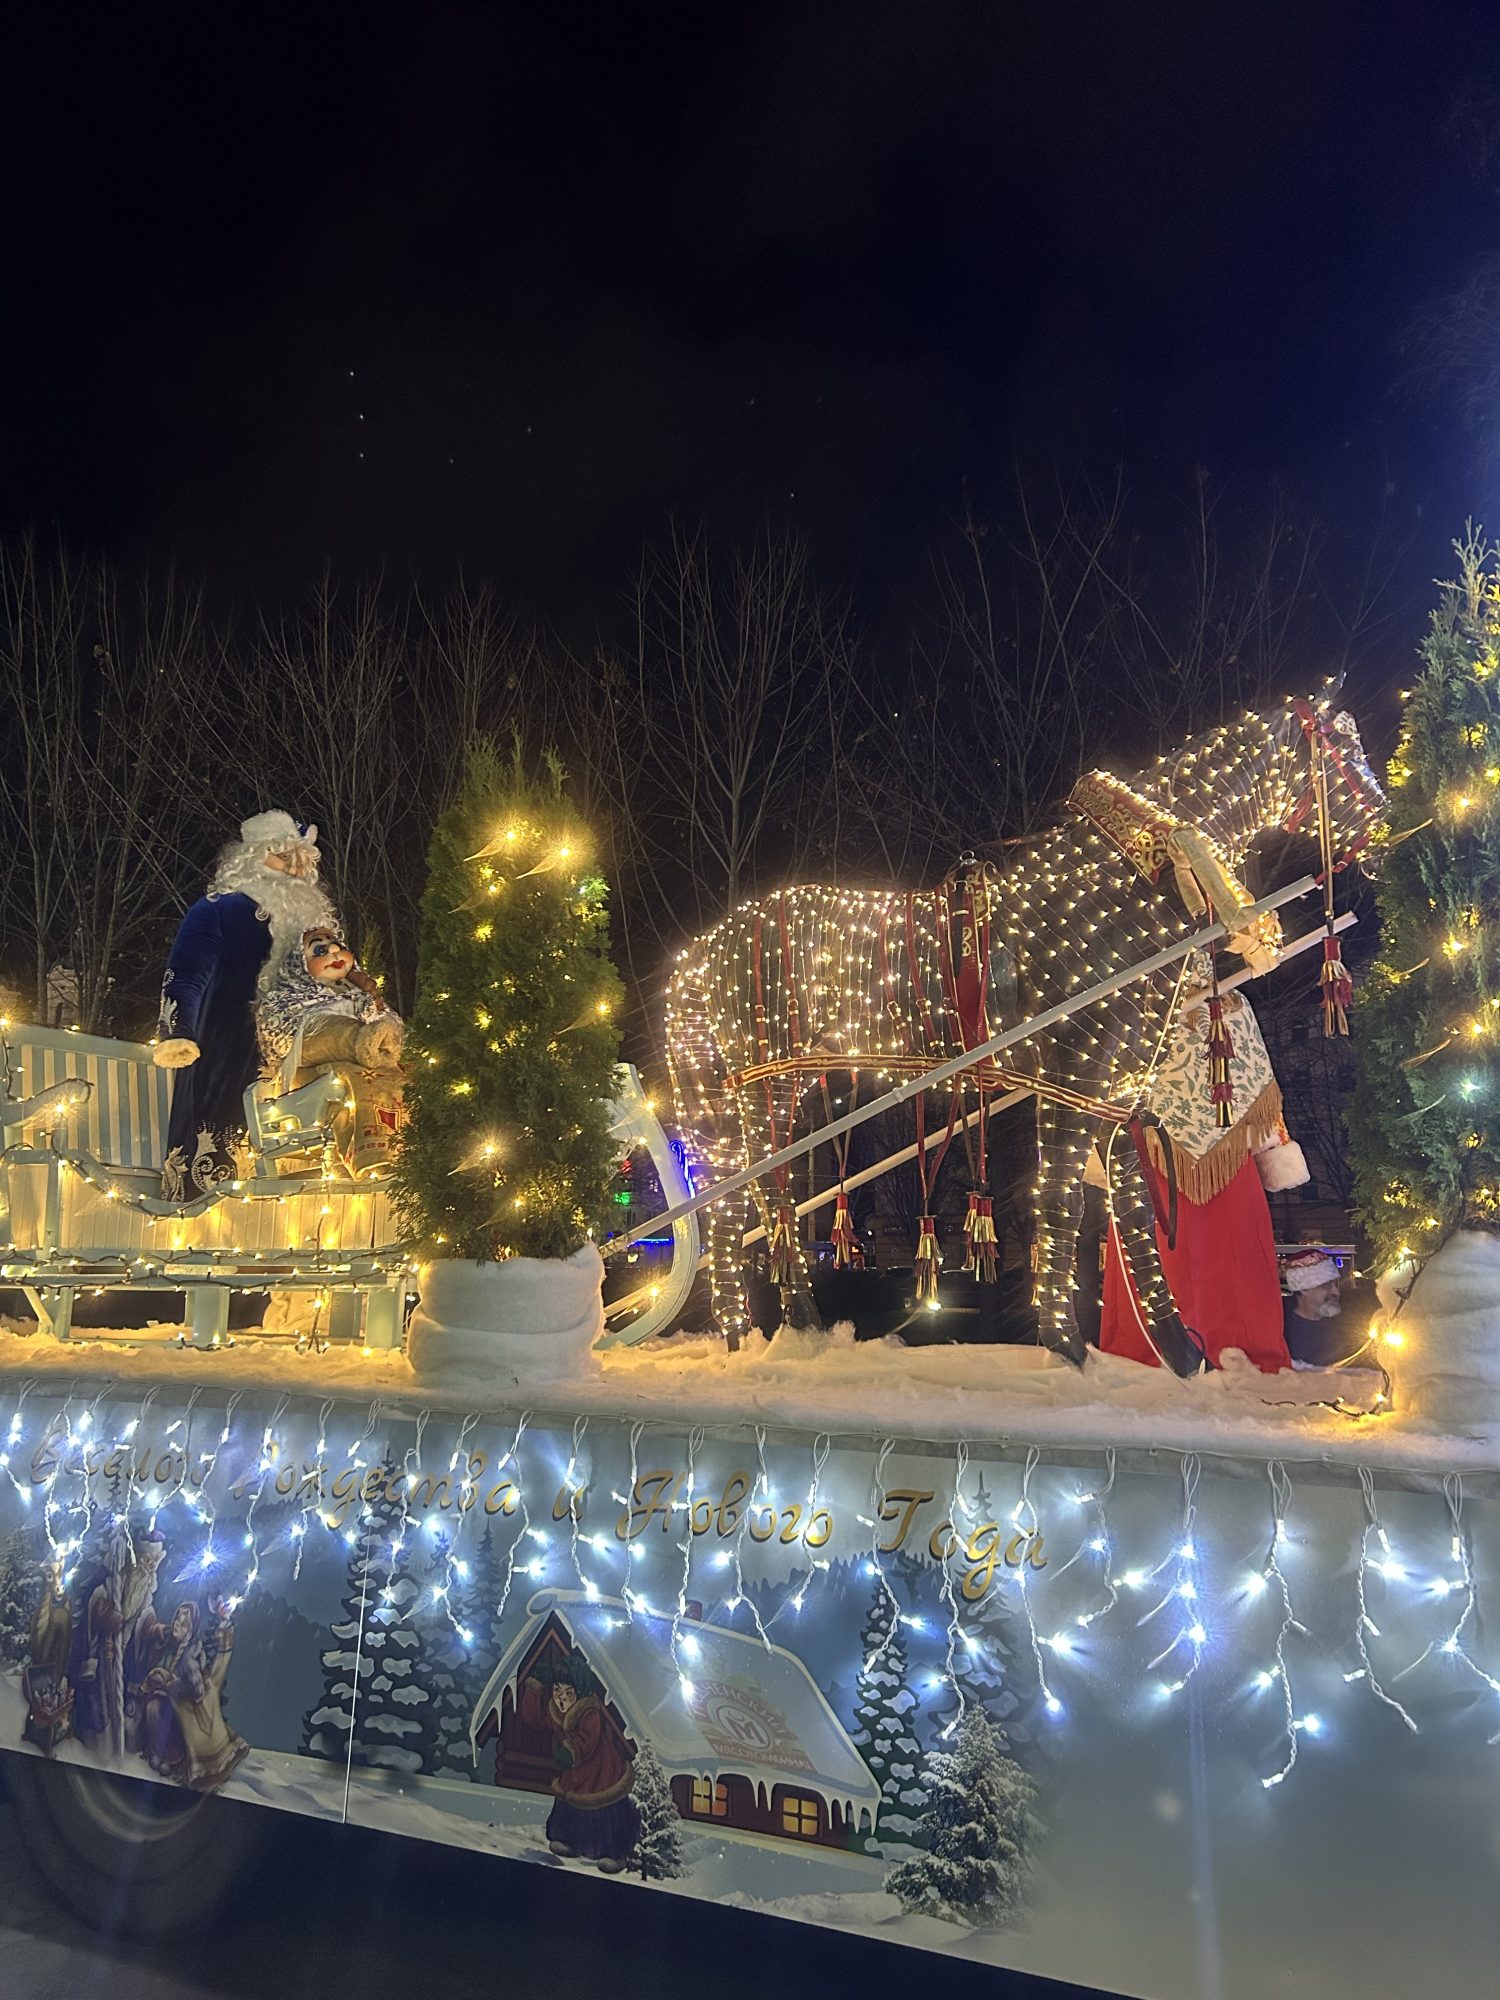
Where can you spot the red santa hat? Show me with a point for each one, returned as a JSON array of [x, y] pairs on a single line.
[[1306, 1268]]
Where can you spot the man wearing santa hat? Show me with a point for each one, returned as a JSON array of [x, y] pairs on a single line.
[[1316, 1334], [264, 894]]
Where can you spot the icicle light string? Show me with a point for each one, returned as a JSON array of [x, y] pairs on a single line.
[[411, 1470], [956, 1633], [586, 1584], [512, 1457], [1185, 1588], [13, 1436], [877, 1515], [455, 1568], [1453, 1645], [740, 1595], [680, 1642], [627, 1501], [1024, 1517], [264, 1464], [797, 1597], [311, 1489], [1098, 1544], [1365, 1627], [1296, 1726]]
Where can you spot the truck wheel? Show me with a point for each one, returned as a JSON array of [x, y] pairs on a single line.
[[124, 1855]]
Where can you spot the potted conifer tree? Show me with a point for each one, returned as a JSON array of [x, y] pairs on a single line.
[[506, 1159], [1425, 1118]]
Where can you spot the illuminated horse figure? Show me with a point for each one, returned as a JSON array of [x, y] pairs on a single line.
[[888, 984]]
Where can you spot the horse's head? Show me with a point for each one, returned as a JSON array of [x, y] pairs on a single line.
[[1322, 751]]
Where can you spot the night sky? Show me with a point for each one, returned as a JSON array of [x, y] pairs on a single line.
[[507, 286]]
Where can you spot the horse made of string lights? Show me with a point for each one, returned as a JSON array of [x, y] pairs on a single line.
[[885, 984]]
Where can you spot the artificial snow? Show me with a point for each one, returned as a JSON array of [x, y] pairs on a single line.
[[828, 1382], [1444, 1356], [487, 1327]]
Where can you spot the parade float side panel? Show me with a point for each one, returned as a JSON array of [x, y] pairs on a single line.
[[1191, 1726]]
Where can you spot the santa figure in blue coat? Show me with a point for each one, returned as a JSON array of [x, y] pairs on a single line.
[[264, 894]]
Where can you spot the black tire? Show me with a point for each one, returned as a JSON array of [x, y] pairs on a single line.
[[126, 1856]]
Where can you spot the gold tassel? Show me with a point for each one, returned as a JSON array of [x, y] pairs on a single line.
[[981, 1247], [1338, 989], [928, 1263], [784, 1247]]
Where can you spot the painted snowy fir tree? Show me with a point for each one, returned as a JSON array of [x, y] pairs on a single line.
[[883, 1733], [1424, 1122], [377, 1706], [658, 1855], [978, 1826], [20, 1593], [513, 1045]]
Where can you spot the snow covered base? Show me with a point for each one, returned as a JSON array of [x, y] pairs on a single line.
[[1444, 1350], [521, 1324]]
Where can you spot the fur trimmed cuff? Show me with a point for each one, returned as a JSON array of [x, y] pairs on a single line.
[[176, 1053], [1282, 1166]]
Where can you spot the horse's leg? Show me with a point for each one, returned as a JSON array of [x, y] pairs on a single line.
[[1064, 1136], [1135, 1220], [726, 1280], [767, 1112]]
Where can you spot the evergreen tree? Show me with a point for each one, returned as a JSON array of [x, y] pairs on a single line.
[[884, 1712], [513, 1045], [20, 1593], [978, 1825], [377, 1695], [658, 1854], [486, 1585], [1424, 1121]]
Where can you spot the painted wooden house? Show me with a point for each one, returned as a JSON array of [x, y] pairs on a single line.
[[745, 1734]]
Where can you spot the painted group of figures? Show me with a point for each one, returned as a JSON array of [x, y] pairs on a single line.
[[260, 982], [106, 1667]]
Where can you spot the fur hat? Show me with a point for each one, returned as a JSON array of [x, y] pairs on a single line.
[[1306, 1268], [277, 829]]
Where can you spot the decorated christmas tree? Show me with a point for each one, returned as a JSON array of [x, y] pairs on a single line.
[[377, 1706], [658, 1854], [977, 1824], [513, 1046], [884, 1713], [1424, 1121]]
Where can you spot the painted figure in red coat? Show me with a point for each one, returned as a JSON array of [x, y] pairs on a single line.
[[593, 1814]]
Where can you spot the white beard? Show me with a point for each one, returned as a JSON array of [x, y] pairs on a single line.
[[289, 905]]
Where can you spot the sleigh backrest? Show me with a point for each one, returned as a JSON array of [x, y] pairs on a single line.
[[124, 1122]]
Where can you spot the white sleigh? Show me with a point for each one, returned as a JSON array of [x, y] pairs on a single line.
[[83, 1124]]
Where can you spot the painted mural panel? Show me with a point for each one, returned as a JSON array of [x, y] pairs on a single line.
[[1162, 1724]]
